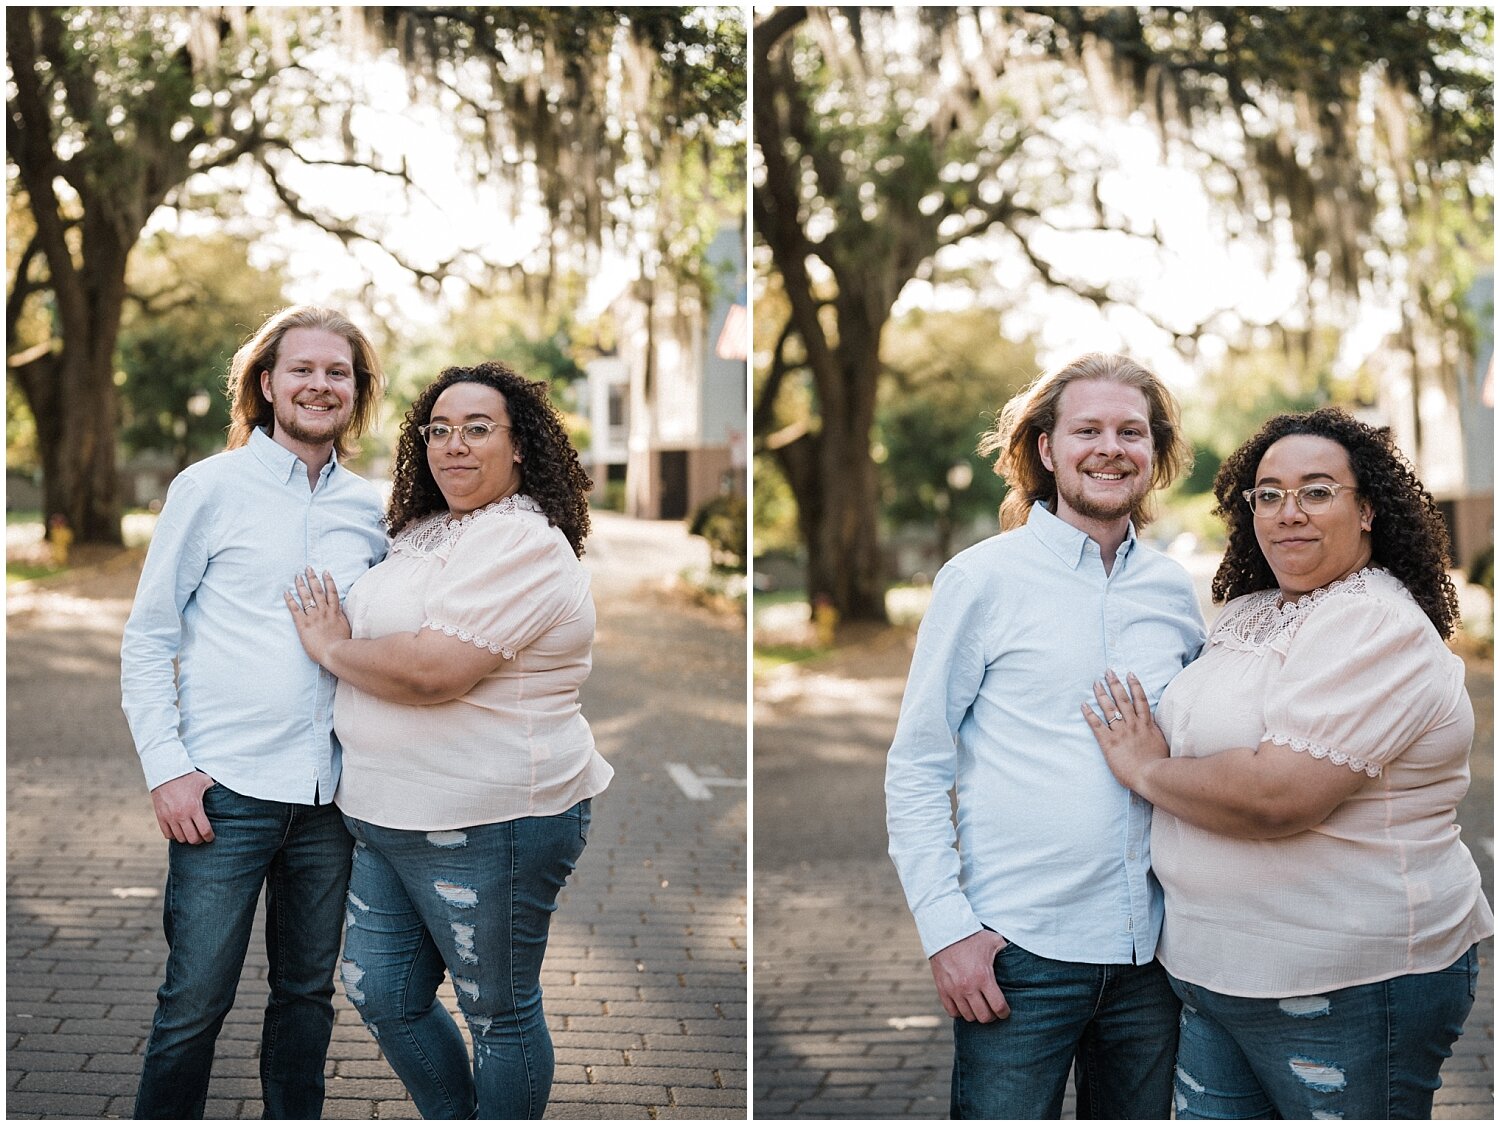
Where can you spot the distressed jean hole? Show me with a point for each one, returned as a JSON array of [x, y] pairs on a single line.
[[1318, 1075], [353, 973], [1306, 1008], [463, 943], [456, 894]]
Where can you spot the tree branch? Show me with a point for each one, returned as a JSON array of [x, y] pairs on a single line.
[[765, 403], [29, 145], [349, 233], [22, 287], [776, 205], [1101, 296]]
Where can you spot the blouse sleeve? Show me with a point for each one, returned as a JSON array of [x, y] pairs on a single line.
[[508, 581], [1358, 686]]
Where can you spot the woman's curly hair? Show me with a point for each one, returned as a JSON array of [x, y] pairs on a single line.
[[550, 471], [1408, 537]]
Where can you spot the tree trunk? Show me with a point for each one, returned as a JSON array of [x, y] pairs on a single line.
[[843, 556], [836, 487], [80, 474], [80, 480], [71, 391]]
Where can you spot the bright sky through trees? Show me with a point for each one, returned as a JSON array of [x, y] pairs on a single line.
[[1193, 273], [449, 212]]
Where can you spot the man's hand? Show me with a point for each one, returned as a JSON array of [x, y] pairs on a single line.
[[179, 809], [965, 977]]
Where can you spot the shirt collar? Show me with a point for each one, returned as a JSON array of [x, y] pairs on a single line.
[[280, 460], [1068, 543]]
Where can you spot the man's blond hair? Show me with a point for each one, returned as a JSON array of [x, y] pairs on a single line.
[[1033, 412], [248, 407]]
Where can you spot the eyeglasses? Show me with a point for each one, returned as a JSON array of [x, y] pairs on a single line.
[[1265, 500], [474, 433]]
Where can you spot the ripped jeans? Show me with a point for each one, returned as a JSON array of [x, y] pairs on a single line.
[[475, 903], [1367, 1051]]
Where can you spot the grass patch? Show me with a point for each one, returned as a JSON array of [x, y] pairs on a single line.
[[769, 657], [779, 597], [25, 572]]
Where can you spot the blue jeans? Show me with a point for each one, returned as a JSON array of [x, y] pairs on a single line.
[[300, 854], [1115, 1025], [477, 903], [1368, 1051]]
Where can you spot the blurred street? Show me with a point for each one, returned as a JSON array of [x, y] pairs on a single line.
[[847, 1022], [645, 978]]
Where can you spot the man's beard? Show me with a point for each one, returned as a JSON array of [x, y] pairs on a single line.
[[1080, 502], [294, 429], [1095, 511]]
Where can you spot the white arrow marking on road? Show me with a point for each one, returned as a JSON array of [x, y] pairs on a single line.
[[696, 786]]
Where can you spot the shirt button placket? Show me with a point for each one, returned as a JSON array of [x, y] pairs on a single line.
[[309, 540]]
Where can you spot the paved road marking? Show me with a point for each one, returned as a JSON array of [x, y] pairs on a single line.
[[697, 786], [901, 1024]]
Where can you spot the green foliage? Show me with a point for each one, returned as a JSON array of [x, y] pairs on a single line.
[[1482, 570], [550, 358], [950, 373], [723, 522], [197, 301], [1178, 511], [20, 432], [775, 509], [505, 327], [614, 497], [25, 572], [1200, 478], [1282, 372]]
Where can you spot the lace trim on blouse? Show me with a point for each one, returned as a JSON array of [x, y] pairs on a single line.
[[440, 532], [478, 642], [1260, 622], [1317, 750]]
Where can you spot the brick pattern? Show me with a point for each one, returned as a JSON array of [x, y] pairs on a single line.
[[847, 1022], [645, 982]]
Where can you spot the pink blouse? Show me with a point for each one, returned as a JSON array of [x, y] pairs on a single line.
[[1355, 675], [516, 745]]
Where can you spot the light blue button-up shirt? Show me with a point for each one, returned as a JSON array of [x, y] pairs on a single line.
[[247, 706], [1051, 852]]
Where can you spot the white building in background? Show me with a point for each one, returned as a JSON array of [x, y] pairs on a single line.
[[1448, 432], [666, 410], [606, 404]]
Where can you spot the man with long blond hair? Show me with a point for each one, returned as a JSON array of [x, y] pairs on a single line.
[[1040, 915], [234, 723]]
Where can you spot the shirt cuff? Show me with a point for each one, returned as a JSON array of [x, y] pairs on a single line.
[[165, 762], [946, 921]]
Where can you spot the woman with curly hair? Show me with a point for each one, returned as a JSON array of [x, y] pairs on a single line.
[[468, 768], [1321, 910]]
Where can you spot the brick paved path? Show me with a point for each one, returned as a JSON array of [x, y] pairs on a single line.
[[847, 1023], [645, 979]]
